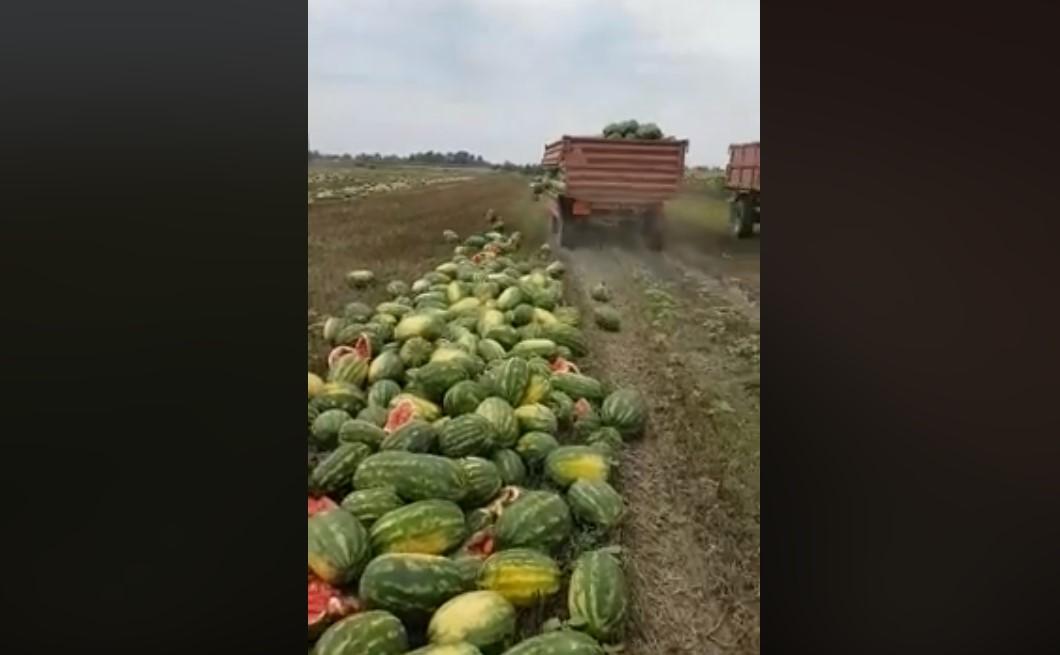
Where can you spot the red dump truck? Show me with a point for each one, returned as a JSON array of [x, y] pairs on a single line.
[[611, 182], [743, 178]]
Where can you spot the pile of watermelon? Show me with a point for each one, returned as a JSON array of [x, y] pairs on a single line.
[[459, 463]]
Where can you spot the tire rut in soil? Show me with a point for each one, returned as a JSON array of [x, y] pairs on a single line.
[[671, 554]]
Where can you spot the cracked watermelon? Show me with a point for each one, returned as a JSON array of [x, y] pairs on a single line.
[[598, 596], [432, 527], [338, 546]]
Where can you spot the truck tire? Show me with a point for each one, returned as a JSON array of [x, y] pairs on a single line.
[[741, 217], [568, 233]]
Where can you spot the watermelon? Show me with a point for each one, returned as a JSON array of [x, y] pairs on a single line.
[[338, 546], [426, 526], [600, 293], [373, 415], [522, 315], [509, 298], [595, 502], [577, 385], [626, 411], [321, 504], [561, 405], [559, 642], [470, 566], [360, 278], [566, 335], [538, 519], [505, 335], [360, 431], [386, 366], [422, 408], [606, 440], [421, 324], [340, 395], [537, 390], [382, 392], [370, 504], [470, 434], [586, 419], [566, 464], [326, 427], [332, 326], [367, 633], [521, 575], [510, 466], [461, 648], [316, 385], [437, 377], [394, 309], [464, 397], [410, 585], [512, 377], [334, 473], [413, 476], [326, 605], [482, 618], [489, 350], [607, 317], [598, 597], [415, 352], [533, 447], [483, 480], [501, 415], [350, 367], [536, 418], [356, 312], [416, 436], [460, 355]]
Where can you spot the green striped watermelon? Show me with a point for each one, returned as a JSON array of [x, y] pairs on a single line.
[[373, 414], [339, 395], [413, 476], [370, 504], [462, 648], [483, 480], [415, 352], [566, 464], [606, 440], [386, 366], [598, 596], [469, 434], [533, 447], [382, 392], [482, 618], [536, 418], [464, 397], [502, 416], [338, 546], [559, 642], [567, 336], [367, 633], [490, 350], [415, 437], [577, 385], [595, 502], [437, 377], [334, 473], [538, 519], [410, 585], [326, 426], [510, 465], [426, 526], [363, 432], [521, 575], [626, 411], [512, 377]]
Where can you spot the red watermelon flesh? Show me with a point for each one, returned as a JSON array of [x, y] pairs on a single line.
[[401, 414], [337, 352], [480, 544], [326, 605], [582, 408], [560, 365], [322, 504], [363, 347]]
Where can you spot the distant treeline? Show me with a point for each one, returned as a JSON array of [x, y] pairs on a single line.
[[428, 158]]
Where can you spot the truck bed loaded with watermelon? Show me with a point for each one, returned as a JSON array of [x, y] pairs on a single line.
[[460, 467]]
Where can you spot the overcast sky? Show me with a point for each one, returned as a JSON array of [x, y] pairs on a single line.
[[501, 77]]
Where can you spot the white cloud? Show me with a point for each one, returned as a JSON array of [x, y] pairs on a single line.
[[501, 77]]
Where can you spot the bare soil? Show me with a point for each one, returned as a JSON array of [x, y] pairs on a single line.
[[689, 342]]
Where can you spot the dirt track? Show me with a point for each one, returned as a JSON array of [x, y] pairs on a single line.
[[689, 342]]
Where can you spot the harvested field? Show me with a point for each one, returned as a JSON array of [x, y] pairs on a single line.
[[689, 343]]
